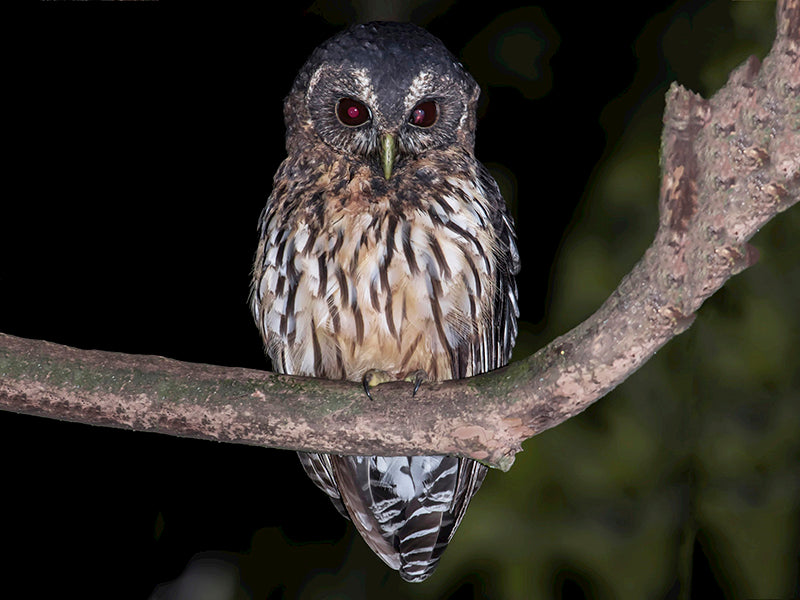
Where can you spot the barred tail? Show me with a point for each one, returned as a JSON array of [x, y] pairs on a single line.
[[407, 508]]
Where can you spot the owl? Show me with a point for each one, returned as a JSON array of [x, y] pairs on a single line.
[[386, 253]]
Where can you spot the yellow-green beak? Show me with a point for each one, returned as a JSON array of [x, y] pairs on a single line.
[[388, 153]]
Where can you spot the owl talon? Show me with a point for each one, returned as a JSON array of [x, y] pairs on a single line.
[[417, 378], [374, 377]]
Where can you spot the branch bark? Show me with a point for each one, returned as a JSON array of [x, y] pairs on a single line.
[[729, 164]]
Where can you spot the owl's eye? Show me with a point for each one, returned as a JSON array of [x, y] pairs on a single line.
[[424, 114], [351, 112]]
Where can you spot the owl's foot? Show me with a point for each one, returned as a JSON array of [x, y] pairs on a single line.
[[375, 377], [417, 378]]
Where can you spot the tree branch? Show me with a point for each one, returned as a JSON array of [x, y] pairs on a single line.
[[729, 164]]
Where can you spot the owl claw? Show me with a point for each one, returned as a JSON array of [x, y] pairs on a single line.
[[366, 387], [374, 377], [417, 378]]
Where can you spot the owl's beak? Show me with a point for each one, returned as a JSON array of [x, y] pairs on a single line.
[[388, 153]]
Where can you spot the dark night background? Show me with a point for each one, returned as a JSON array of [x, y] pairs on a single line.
[[143, 139]]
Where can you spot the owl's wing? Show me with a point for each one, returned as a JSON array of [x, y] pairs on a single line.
[[407, 508], [493, 340], [319, 469], [500, 337]]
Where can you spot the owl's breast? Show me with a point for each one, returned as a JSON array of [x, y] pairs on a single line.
[[393, 283]]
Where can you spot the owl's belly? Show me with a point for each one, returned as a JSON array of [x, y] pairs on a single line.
[[400, 297]]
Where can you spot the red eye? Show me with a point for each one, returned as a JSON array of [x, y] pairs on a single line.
[[351, 112], [424, 114]]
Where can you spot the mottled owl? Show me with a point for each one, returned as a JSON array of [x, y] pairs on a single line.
[[386, 248]]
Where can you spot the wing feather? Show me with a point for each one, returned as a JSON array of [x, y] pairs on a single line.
[[319, 469]]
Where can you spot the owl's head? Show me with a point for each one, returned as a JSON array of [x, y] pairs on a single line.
[[383, 93]]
